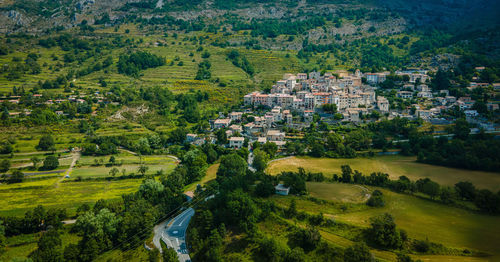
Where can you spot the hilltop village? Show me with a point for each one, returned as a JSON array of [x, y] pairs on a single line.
[[296, 101]]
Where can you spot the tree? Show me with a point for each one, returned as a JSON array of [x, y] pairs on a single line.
[[441, 80], [2, 236], [346, 173], [317, 149], [49, 248], [307, 239], [428, 187], [446, 195], [461, 129], [487, 201], [270, 148], [71, 253], [151, 190], [35, 161], [50, 163], [359, 252], [376, 199], [264, 189], [260, 160], [383, 231], [112, 160], [466, 190], [231, 165], [292, 209], [46, 143], [4, 165], [17, 176], [114, 171], [143, 169], [170, 255]]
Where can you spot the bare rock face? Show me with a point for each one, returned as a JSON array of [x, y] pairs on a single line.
[[70, 13]]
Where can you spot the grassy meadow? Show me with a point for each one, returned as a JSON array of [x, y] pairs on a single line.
[[395, 166], [53, 190], [422, 219]]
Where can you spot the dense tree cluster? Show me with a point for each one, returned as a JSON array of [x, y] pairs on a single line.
[[241, 61], [135, 62]]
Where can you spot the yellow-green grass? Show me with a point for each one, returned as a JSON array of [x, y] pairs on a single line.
[[103, 171], [21, 246], [439, 223], [343, 192], [27, 138], [421, 218], [137, 254], [395, 166], [127, 158], [210, 176], [15, 199]]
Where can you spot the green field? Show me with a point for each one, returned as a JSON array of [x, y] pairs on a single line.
[[395, 166], [18, 198], [343, 192], [56, 191], [421, 218]]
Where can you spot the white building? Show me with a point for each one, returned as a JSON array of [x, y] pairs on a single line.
[[236, 142]]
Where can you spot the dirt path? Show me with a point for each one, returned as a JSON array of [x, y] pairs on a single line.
[[366, 191], [76, 155]]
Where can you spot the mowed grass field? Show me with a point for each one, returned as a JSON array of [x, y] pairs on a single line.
[[421, 218], [395, 166], [343, 192], [56, 191], [16, 199]]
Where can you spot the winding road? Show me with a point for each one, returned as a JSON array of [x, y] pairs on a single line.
[[173, 233]]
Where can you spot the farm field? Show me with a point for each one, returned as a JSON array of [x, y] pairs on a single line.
[[15, 199], [343, 192], [395, 166], [421, 218], [53, 190]]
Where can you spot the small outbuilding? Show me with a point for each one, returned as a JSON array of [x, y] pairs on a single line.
[[282, 190]]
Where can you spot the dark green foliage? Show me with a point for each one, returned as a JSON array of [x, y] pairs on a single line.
[[46, 143], [203, 70], [17, 176], [170, 255], [383, 231], [49, 248], [376, 199], [140, 60], [296, 182], [270, 148], [260, 160], [487, 201], [231, 165], [34, 221], [466, 190], [359, 252], [4, 165], [240, 61], [306, 239], [346, 173], [50, 163], [428, 187], [264, 189]]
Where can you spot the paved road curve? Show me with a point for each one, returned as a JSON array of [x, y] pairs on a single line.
[[173, 233]]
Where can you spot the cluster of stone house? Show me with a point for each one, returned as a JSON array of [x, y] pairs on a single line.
[[293, 101], [306, 92]]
